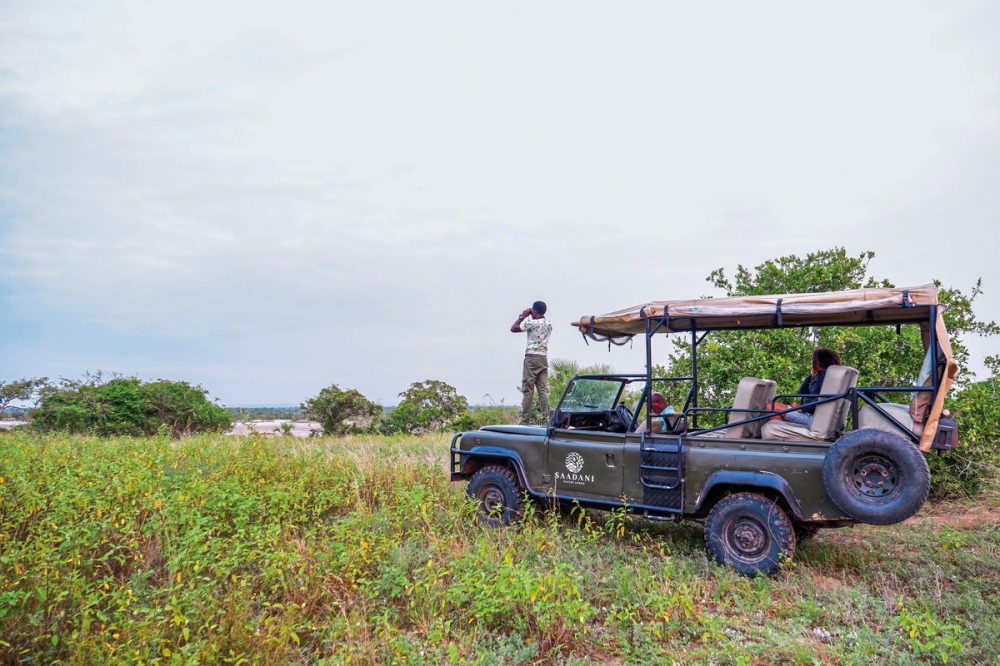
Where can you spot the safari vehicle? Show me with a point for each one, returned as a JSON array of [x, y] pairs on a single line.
[[758, 483]]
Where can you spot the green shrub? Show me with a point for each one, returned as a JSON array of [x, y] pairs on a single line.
[[477, 417], [341, 411], [964, 471], [128, 406], [425, 407]]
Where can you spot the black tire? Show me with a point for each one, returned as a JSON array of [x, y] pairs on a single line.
[[804, 531], [749, 533], [498, 493], [876, 477]]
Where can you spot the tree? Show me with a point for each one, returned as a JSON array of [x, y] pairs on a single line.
[[880, 355], [20, 390], [341, 411], [425, 406], [181, 407]]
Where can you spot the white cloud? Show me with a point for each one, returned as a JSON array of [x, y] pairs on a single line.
[[344, 188]]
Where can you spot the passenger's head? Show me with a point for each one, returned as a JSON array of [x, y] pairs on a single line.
[[823, 358], [539, 307], [658, 402]]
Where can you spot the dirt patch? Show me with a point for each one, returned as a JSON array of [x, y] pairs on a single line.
[[960, 516], [826, 583]]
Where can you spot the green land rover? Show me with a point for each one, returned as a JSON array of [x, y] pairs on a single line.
[[757, 481]]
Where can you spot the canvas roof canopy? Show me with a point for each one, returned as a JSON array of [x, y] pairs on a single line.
[[852, 307]]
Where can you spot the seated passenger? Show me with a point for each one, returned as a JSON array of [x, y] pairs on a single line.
[[822, 359], [659, 408]]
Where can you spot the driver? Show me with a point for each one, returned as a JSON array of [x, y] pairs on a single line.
[[659, 408]]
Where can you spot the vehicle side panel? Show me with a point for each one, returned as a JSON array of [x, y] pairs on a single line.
[[798, 463], [586, 464], [528, 448]]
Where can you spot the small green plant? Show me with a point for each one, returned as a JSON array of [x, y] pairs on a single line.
[[952, 539], [928, 635]]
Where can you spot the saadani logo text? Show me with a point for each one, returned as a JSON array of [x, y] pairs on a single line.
[[574, 463]]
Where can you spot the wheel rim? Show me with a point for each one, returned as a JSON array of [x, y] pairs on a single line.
[[747, 538], [491, 500], [874, 476]]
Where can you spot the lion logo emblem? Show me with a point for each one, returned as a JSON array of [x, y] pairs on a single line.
[[574, 462]]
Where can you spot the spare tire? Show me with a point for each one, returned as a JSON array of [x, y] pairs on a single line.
[[876, 477]]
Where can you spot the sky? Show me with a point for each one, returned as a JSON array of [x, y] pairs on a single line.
[[268, 198]]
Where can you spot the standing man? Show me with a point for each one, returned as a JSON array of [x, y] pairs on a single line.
[[536, 359]]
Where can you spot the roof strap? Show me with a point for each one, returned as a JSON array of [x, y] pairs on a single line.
[[589, 334], [777, 313], [907, 303], [589, 331], [617, 340], [666, 313]]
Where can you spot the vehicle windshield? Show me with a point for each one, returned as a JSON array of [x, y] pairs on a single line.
[[591, 395]]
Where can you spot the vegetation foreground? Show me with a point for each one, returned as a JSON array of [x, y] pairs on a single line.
[[217, 549]]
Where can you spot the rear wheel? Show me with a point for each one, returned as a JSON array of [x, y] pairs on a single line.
[[749, 533], [498, 493], [876, 477]]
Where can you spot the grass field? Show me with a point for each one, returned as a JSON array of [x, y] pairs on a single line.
[[358, 550]]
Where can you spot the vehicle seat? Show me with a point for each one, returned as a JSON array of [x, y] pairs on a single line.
[[869, 418], [751, 394], [829, 419], [913, 415]]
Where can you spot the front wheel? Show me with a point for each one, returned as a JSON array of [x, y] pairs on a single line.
[[749, 533], [498, 493]]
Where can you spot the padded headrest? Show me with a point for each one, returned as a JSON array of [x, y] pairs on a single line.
[[751, 394]]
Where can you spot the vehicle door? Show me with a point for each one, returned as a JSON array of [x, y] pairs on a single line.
[[584, 456]]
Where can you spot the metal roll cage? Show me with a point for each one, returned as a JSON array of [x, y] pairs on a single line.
[[870, 395]]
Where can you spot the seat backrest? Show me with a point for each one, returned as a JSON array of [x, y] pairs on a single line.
[[751, 394], [830, 418], [921, 402]]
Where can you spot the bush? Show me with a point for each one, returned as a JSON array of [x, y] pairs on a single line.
[[964, 471], [341, 411], [425, 406], [477, 417], [185, 409], [128, 406]]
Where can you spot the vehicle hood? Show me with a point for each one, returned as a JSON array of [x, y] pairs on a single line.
[[533, 431]]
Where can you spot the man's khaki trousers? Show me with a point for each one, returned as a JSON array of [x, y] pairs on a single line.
[[535, 376]]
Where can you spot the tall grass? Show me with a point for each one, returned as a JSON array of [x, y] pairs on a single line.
[[219, 549]]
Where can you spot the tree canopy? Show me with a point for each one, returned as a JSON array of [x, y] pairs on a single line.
[[881, 356], [128, 406], [341, 411], [425, 406]]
